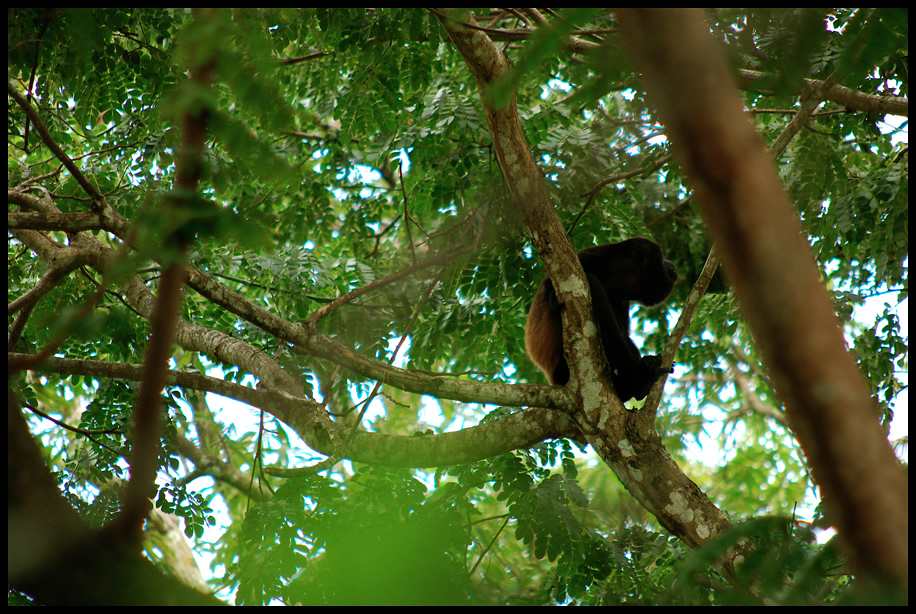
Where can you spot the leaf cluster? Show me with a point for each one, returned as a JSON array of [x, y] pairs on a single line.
[[346, 144]]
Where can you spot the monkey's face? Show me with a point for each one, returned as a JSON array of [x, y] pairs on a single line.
[[632, 270]]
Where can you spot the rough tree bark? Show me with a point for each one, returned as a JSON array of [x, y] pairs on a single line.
[[778, 285]]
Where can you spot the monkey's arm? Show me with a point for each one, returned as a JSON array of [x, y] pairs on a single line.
[[633, 374]]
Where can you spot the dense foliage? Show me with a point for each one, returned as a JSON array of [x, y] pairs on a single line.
[[347, 144]]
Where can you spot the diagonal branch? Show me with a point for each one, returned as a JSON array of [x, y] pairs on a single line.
[[777, 284], [638, 458]]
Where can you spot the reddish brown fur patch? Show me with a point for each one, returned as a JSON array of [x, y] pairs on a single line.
[[544, 335]]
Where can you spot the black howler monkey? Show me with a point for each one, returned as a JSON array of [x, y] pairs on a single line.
[[632, 270]]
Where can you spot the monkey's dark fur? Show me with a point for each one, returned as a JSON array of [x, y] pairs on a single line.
[[632, 270]]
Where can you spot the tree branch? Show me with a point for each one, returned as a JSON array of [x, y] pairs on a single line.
[[638, 458], [778, 285]]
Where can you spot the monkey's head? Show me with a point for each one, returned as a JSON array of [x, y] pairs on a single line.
[[632, 270]]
